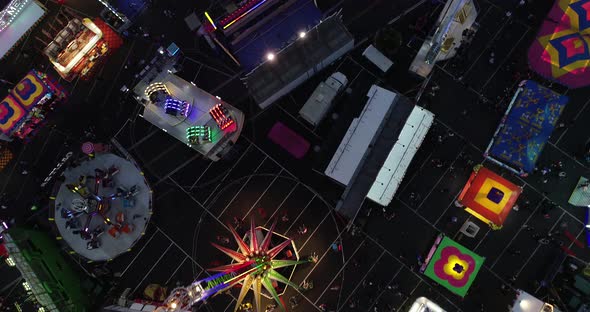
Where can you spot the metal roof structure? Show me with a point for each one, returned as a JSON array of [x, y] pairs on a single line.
[[299, 61]]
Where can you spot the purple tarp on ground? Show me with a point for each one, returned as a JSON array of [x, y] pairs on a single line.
[[288, 139]]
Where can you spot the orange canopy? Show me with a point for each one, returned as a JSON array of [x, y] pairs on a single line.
[[489, 197]]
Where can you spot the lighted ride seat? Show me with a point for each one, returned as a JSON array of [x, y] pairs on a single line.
[[289, 140]]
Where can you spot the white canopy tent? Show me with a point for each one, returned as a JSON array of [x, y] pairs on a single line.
[[362, 134]]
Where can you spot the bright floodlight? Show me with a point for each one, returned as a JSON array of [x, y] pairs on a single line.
[[302, 34], [270, 56], [173, 305]]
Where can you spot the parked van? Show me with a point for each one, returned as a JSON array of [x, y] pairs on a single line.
[[320, 101]]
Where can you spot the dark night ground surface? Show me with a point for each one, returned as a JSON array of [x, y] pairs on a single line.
[[187, 189]]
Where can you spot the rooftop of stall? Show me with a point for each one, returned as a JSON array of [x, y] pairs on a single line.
[[274, 29], [299, 61], [18, 106], [31, 13]]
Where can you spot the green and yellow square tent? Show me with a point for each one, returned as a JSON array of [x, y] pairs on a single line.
[[452, 265]]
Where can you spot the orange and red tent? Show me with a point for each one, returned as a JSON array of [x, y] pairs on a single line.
[[489, 197]]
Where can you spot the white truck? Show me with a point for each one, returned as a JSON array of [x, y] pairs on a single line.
[[320, 101]]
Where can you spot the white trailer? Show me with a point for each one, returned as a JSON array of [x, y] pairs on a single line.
[[322, 98]]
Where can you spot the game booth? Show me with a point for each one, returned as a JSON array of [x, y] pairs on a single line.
[[17, 18], [103, 206], [561, 50], [489, 197], [525, 128], [81, 47], [451, 265], [27, 105]]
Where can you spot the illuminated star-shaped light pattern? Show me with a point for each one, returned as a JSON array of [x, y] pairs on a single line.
[[254, 266], [262, 263]]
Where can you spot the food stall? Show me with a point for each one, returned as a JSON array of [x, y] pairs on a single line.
[[25, 108], [81, 47], [526, 302]]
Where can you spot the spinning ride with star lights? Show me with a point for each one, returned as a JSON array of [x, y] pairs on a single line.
[[255, 266], [103, 207], [561, 50], [489, 197]]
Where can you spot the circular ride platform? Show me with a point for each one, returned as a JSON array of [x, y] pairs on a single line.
[[103, 207]]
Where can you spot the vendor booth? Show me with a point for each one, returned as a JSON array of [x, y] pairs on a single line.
[[489, 197], [526, 127], [17, 18], [451, 265], [81, 47], [25, 108]]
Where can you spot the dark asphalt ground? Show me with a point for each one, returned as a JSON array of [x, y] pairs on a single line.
[[194, 198]]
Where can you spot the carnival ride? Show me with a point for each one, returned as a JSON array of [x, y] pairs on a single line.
[[254, 266], [104, 194], [25, 108], [200, 120]]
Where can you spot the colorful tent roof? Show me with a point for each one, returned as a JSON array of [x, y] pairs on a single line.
[[489, 197], [525, 129], [452, 265], [27, 93], [10, 114], [561, 51]]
